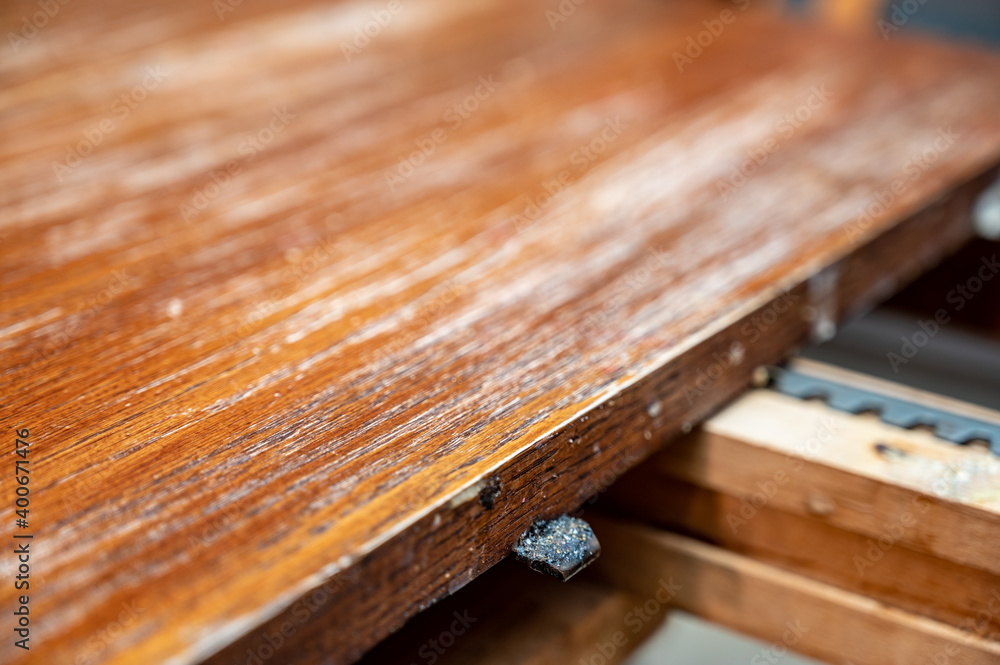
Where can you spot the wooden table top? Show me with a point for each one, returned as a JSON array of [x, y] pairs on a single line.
[[311, 308]]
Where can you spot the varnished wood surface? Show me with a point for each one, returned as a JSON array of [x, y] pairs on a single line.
[[307, 385]]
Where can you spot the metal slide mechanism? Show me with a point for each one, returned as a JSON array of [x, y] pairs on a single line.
[[892, 410]]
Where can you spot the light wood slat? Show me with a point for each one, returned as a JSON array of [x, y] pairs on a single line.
[[785, 610], [896, 515], [833, 465]]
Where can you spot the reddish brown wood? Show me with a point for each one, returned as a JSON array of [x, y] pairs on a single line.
[[513, 615], [308, 382]]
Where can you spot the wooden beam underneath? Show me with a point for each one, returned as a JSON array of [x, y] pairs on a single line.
[[786, 610]]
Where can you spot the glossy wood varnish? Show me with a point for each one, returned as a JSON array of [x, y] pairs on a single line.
[[259, 368]]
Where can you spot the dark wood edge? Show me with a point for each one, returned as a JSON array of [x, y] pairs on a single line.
[[340, 620]]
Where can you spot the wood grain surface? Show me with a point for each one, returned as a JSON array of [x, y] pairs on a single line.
[[308, 325]]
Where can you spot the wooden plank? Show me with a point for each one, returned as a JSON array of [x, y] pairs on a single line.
[[853, 471], [512, 615], [893, 514], [786, 610], [882, 570], [302, 387]]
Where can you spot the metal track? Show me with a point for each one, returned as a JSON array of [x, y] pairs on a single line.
[[948, 426]]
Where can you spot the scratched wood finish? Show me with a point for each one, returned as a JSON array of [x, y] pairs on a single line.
[[271, 385]]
